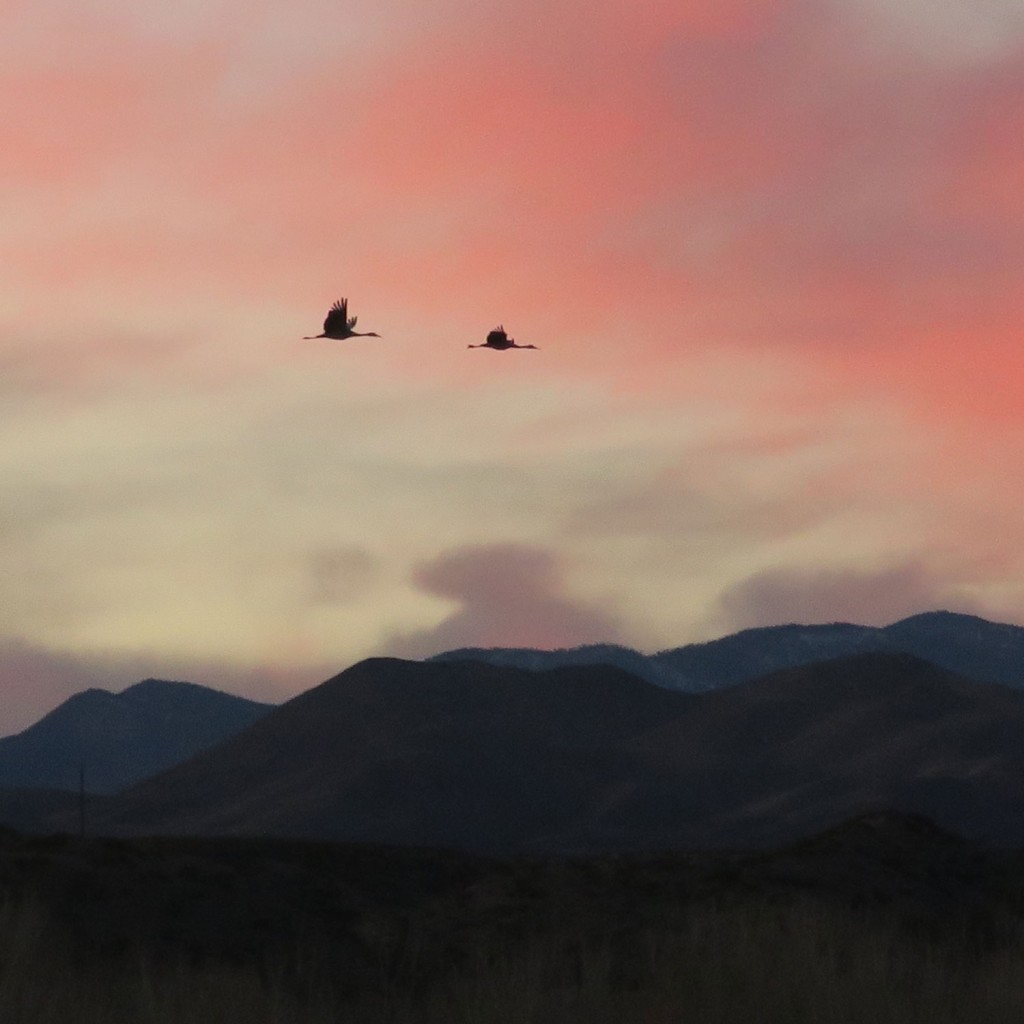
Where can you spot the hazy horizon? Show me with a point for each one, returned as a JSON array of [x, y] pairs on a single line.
[[769, 252], [63, 675]]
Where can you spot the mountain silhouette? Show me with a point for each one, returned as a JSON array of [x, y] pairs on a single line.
[[786, 755], [496, 759], [989, 651], [121, 738], [643, 666], [457, 755]]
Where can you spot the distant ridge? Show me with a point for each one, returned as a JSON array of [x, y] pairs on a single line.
[[642, 666], [988, 651], [487, 758], [123, 737]]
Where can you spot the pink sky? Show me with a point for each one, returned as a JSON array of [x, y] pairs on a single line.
[[771, 254]]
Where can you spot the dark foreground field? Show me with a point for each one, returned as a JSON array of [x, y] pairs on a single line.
[[884, 919]]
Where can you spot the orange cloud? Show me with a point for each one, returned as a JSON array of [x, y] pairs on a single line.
[[771, 181], [745, 176]]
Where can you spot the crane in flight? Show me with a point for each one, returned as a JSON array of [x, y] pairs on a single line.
[[339, 325], [499, 339]]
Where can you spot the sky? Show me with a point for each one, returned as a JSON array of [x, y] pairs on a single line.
[[770, 252]]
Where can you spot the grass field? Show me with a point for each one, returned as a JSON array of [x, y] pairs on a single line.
[[883, 920], [756, 963]]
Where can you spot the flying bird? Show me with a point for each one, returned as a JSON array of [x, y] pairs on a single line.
[[499, 340], [339, 325]]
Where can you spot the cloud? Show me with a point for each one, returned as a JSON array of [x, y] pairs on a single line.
[[339, 575], [951, 31], [696, 500], [508, 595], [871, 598], [772, 175], [797, 224]]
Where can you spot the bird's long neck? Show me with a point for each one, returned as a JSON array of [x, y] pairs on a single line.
[[312, 337]]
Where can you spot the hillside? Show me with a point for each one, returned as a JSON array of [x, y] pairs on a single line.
[[121, 738], [390, 751], [495, 759]]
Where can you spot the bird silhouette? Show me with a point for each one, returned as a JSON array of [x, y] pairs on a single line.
[[499, 340], [339, 325]]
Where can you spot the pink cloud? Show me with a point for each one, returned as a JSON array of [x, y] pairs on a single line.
[[761, 176], [677, 201], [508, 595]]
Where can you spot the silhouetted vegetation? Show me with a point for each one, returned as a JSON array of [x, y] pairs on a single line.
[[885, 919], [761, 962]]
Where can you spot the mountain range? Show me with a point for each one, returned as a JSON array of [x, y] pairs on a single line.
[[122, 738], [988, 651], [494, 758]]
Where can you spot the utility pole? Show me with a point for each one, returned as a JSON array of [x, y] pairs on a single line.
[[81, 800]]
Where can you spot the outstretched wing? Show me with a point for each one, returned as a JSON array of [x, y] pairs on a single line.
[[337, 317]]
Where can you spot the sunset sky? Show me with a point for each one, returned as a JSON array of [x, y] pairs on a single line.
[[771, 253]]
